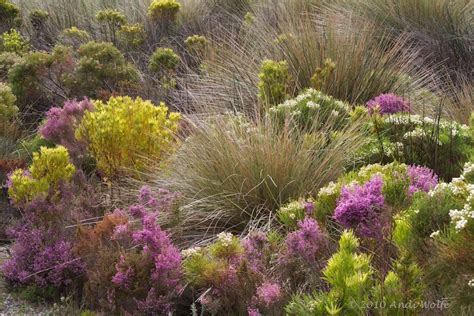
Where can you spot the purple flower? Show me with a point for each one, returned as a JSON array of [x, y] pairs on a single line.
[[123, 275], [41, 257], [421, 179], [255, 246], [269, 293], [60, 125], [388, 104], [308, 208], [359, 207], [305, 242]]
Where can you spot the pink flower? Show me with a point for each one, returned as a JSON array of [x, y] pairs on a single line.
[[269, 293]]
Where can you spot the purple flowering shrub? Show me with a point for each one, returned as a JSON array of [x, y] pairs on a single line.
[[304, 251], [359, 207], [388, 104], [42, 255], [41, 259], [61, 123], [365, 200], [421, 179], [131, 263]]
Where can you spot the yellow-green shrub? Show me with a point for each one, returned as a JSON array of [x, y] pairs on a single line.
[[124, 132], [164, 9], [49, 167], [132, 35], [8, 108], [14, 42]]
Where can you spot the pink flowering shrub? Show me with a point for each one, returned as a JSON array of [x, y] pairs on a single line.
[[388, 104], [61, 123], [134, 266]]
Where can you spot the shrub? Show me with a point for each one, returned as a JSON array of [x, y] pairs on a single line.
[[290, 214], [74, 36], [124, 134], [131, 265], [60, 125], [101, 67], [165, 10], [38, 76], [38, 19], [309, 107], [7, 60], [321, 74], [164, 60], [229, 275], [13, 42], [439, 144], [197, 45], [8, 13], [132, 36], [42, 258], [349, 276], [48, 169], [367, 200], [111, 20], [359, 207], [8, 109], [303, 254], [449, 268], [274, 82]]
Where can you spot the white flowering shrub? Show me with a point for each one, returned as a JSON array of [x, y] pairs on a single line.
[[310, 108], [442, 145]]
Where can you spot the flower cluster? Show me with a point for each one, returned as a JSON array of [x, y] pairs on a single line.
[[304, 243], [290, 214], [312, 106], [269, 293], [41, 257], [61, 123], [421, 179], [359, 207], [388, 104]]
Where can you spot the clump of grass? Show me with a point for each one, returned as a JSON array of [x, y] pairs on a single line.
[[442, 29], [235, 174]]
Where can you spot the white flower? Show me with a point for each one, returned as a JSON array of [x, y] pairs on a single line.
[[461, 224], [434, 234], [189, 252], [313, 105], [301, 97], [327, 190], [292, 216], [334, 113], [225, 238], [471, 283]]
